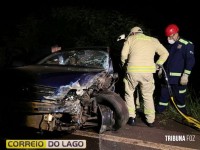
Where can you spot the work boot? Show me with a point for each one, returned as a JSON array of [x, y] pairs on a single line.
[[151, 125], [131, 121]]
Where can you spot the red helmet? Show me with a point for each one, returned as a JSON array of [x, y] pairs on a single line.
[[171, 29]]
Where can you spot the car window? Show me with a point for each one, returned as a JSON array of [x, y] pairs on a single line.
[[78, 58]]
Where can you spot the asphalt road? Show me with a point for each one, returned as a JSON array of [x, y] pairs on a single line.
[[166, 135]]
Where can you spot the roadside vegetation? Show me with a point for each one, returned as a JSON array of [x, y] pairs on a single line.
[[192, 106], [67, 27], [171, 112]]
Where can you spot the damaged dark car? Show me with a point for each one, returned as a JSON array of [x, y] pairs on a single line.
[[66, 91]]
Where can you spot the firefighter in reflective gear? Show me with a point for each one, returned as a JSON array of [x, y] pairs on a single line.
[[178, 68], [137, 56]]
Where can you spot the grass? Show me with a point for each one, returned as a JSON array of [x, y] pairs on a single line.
[[192, 106]]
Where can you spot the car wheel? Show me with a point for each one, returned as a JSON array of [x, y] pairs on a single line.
[[117, 105]]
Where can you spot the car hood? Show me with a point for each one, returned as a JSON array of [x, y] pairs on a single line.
[[54, 76]]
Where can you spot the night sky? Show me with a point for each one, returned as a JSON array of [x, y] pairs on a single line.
[[156, 15]]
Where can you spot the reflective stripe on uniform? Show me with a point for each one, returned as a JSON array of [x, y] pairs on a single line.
[[180, 106], [182, 91], [131, 110], [148, 112], [187, 71], [141, 68], [184, 41], [143, 37], [163, 104], [175, 74], [160, 62]]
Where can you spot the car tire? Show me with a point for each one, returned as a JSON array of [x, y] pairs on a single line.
[[117, 104]]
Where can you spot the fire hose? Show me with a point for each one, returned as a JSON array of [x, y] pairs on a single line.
[[189, 119]]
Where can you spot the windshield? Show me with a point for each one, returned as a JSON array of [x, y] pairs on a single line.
[[78, 58]]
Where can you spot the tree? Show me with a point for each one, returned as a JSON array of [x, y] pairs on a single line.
[[71, 27]]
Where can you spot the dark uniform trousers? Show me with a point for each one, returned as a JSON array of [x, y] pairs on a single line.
[[179, 93]]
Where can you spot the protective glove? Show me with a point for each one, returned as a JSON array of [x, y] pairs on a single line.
[[184, 79], [158, 66]]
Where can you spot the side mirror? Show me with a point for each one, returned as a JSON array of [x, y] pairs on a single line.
[[121, 37]]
